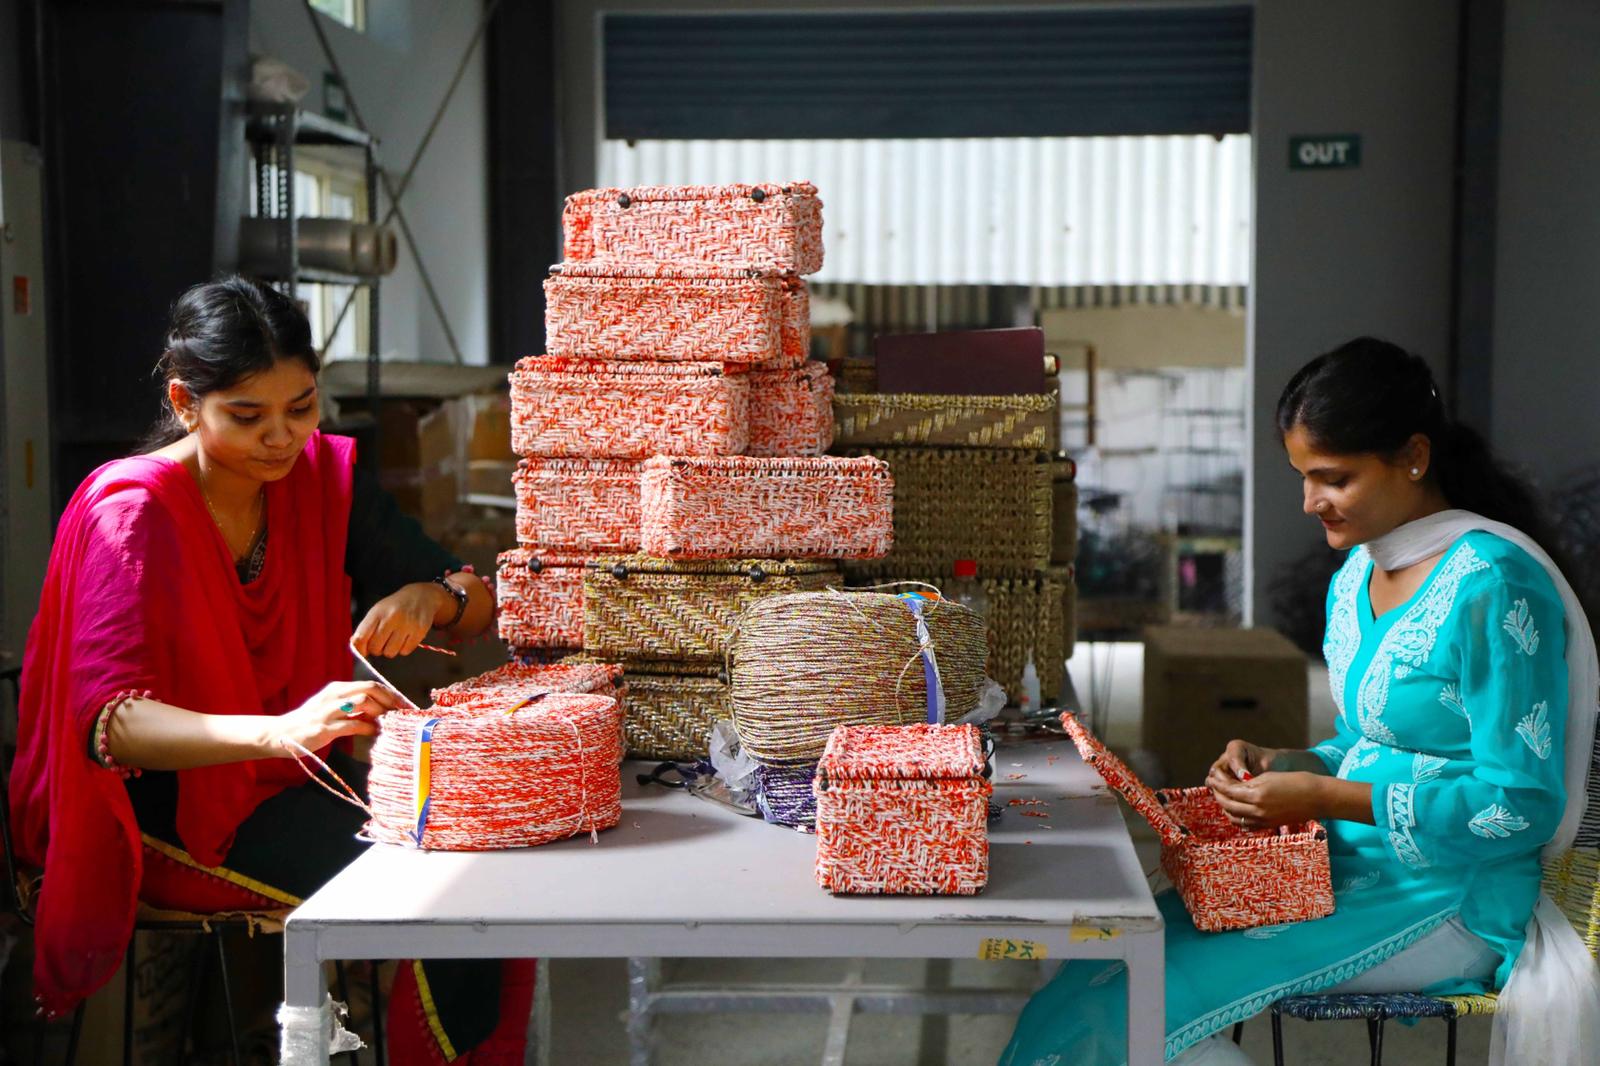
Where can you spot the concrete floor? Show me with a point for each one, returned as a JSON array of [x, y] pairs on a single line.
[[590, 997]]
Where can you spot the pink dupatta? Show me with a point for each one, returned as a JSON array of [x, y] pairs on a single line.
[[141, 596]]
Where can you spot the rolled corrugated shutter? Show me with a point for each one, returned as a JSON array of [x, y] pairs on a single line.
[[928, 75]]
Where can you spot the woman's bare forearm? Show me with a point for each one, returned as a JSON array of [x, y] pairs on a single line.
[[152, 735]]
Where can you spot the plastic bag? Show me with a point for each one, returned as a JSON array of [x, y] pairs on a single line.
[[990, 703], [737, 770]]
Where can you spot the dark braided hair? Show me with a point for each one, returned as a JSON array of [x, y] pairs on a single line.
[[1369, 397], [222, 332]]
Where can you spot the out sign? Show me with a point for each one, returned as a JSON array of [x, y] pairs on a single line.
[[1335, 152]]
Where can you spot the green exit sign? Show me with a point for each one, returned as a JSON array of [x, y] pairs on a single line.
[[1326, 152]]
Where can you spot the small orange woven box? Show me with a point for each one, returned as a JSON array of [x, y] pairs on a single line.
[[768, 226], [580, 409], [742, 506], [670, 313], [902, 809], [509, 684], [1228, 878], [541, 598], [584, 505], [791, 411]]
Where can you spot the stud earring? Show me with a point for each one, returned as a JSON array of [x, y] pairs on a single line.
[[1415, 473]]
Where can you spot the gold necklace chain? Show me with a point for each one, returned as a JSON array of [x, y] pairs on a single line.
[[257, 511]]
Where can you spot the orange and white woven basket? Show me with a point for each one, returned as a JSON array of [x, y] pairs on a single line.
[[611, 410], [903, 809], [791, 411], [674, 314], [739, 506], [513, 682], [540, 595], [480, 777], [583, 505], [768, 226], [1228, 878]]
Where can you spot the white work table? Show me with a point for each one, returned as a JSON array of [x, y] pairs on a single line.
[[683, 877]]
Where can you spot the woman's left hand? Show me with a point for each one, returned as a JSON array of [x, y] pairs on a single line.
[[1269, 800], [398, 623]]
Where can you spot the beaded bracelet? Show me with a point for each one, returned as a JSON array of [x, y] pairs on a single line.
[[102, 725]]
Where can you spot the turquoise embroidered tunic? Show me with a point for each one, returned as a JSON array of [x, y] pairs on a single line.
[[1453, 706]]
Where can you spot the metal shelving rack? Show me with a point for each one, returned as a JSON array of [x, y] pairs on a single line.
[[274, 131]]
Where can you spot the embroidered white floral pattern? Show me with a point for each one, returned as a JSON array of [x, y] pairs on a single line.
[[1494, 822], [1410, 641], [1264, 932], [1344, 633], [1425, 767], [1519, 623], [1450, 696], [1403, 819], [1107, 974], [1332, 752], [1359, 882], [1362, 754], [1534, 729]]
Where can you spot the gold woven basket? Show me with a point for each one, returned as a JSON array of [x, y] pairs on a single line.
[[669, 709], [873, 418], [1063, 511], [639, 607], [991, 505]]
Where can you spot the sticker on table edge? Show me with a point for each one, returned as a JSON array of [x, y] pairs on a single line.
[[992, 949], [1082, 931]]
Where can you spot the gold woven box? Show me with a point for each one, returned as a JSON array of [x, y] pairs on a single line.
[[992, 505], [640, 607], [873, 418]]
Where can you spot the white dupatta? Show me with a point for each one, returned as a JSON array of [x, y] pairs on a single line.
[[1549, 1010]]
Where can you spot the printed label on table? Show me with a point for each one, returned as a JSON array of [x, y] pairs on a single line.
[[1083, 932], [998, 948]]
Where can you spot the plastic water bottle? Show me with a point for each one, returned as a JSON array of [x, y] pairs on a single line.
[[1028, 701], [967, 590]]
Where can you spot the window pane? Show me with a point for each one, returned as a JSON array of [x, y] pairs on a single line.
[[307, 195], [345, 11]]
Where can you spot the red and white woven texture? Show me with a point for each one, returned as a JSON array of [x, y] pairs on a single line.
[[508, 684], [674, 314], [903, 809], [791, 411], [768, 227], [494, 779], [1228, 878], [582, 505], [742, 506], [540, 595], [611, 410]]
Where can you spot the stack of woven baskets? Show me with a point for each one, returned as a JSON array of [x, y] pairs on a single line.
[[979, 478], [672, 444]]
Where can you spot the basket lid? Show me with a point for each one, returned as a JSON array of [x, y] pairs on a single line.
[[620, 566], [902, 752], [1116, 773]]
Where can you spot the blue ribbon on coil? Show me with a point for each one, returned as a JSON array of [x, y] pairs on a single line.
[[914, 602]]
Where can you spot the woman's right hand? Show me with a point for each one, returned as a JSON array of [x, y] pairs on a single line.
[[1242, 760], [323, 718]]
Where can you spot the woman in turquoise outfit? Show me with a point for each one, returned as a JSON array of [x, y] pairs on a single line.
[[1457, 766]]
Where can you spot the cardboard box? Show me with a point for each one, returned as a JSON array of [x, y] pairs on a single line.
[[1205, 687], [429, 497], [415, 434]]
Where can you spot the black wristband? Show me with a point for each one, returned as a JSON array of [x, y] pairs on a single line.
[[460, 595]]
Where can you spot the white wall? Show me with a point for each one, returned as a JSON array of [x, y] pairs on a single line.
[[1545, 383], [1350, 252], [398, 72]]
